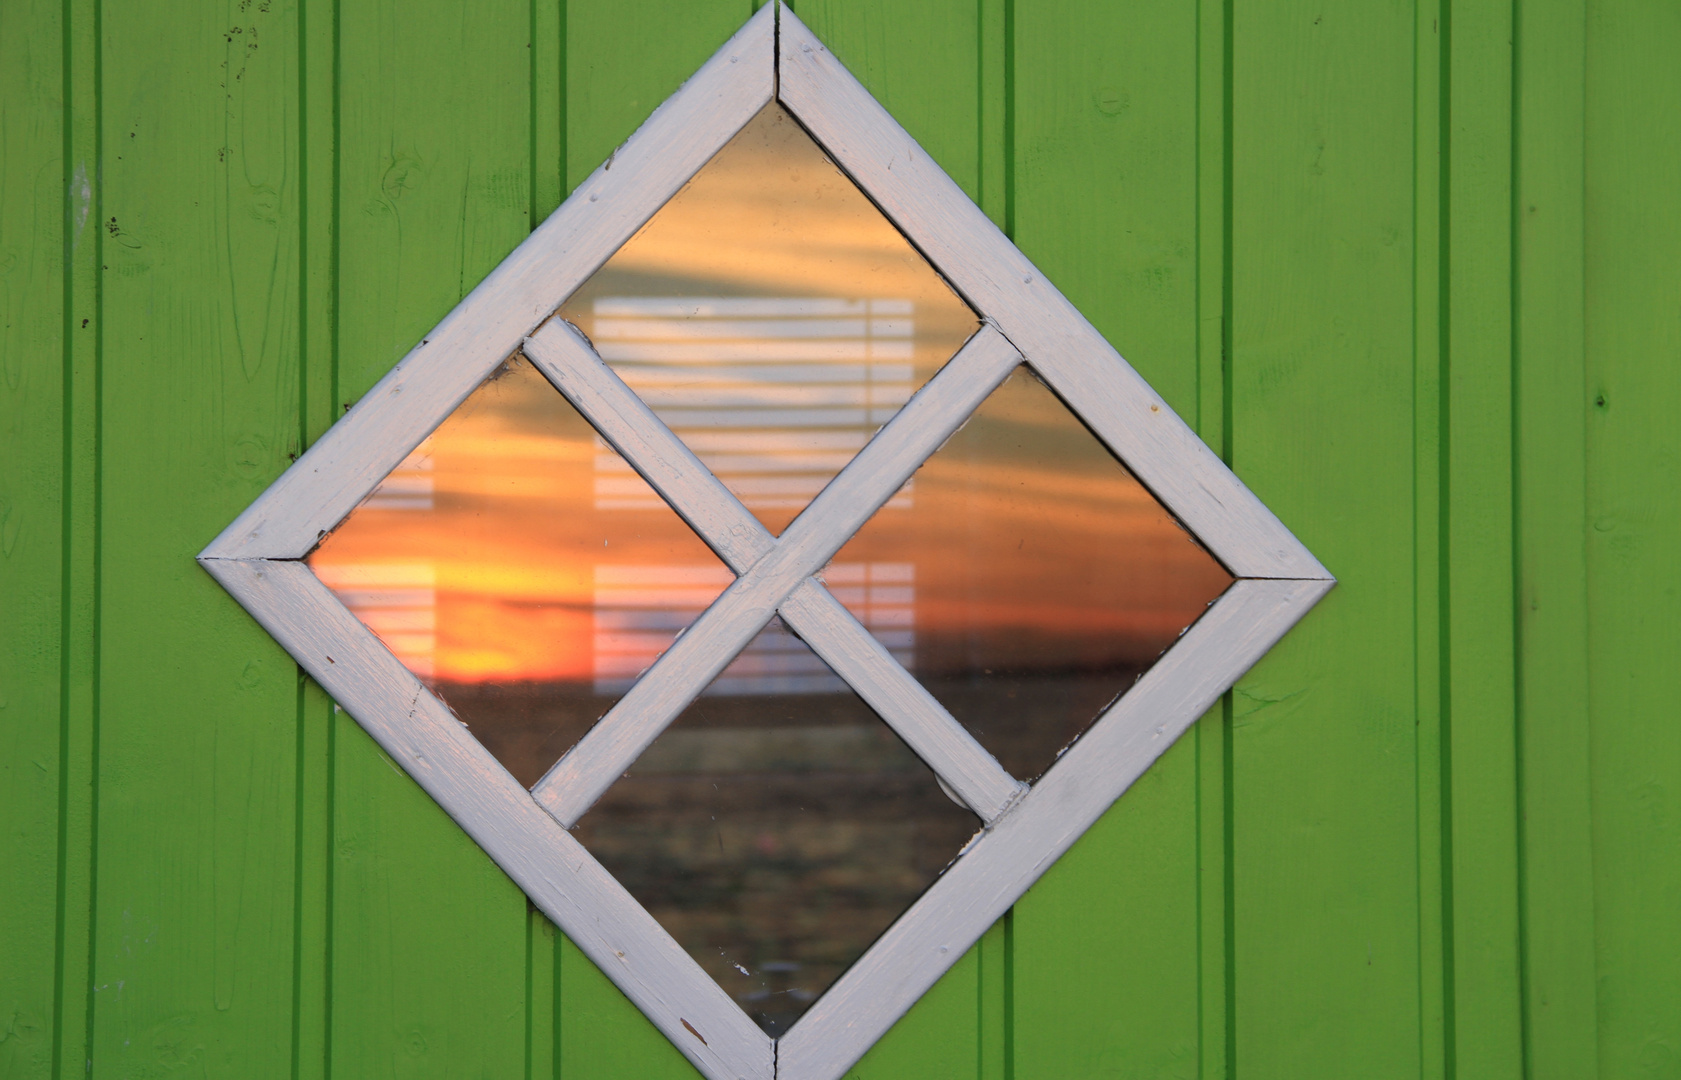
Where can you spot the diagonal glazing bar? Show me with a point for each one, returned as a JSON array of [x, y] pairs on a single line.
[[725, 628], [714, 512]]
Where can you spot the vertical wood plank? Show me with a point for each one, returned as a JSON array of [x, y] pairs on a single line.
[[78, 702], [1428, 239], [922, 62], [1106, 203], [1556, 822], [623, 57], [428, 937], [1484, 1039], [33, 323], [1325, 886], [1633, 330], [196, 706], [1211, 736]]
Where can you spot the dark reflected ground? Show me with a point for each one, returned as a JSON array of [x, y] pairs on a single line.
[[775, 837]]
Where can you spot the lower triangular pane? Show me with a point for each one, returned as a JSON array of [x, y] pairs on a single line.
[[776, 828]]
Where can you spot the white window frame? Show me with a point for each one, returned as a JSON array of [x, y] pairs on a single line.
[[259, 560]]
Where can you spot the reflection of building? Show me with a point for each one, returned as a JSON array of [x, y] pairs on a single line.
[[774, 394], [640, 609]]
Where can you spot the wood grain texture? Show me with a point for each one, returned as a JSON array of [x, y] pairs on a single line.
[[713, 511], [1479, 728], [195, 707], [428, 743], [33, 409], [708, 645]]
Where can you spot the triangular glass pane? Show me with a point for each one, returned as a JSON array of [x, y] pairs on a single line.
[[772, 317], [519, 567], [1029, 579], [776, 828]]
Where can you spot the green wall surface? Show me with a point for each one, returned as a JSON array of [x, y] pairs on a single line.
[[1414, 269]]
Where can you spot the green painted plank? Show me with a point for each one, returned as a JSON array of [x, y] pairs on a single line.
[[1105, 201], [1427, 238], [1551, 430], [1484, 1039], [922, 62], [622, 59], [601, 1034], [1633, 330], [428, 937], [196, 706], [32, 401], [1325, 889], [78, 665], [936, 1039]]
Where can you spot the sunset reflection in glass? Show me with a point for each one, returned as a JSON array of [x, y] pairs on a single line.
[[485, 565]]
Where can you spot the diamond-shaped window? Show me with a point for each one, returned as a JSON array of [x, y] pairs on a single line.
[[498, 569], [771, 317], [776, 828], [537, 575], [1028, 579]]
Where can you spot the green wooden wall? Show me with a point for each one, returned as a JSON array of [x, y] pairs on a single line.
[[1413, 268]]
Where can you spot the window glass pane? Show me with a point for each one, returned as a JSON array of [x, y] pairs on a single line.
[[772, 317], [1028, 577], [776, 828], [522, 580]]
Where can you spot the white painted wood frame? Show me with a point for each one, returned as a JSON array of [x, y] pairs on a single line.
[[774, 55]]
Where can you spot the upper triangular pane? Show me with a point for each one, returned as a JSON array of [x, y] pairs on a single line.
[[519, 567], [772, 317]]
